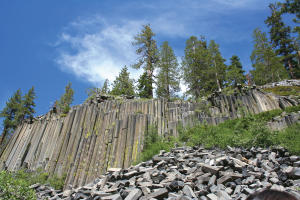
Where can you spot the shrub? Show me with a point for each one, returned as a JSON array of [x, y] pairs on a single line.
[[13, 188], [292, 109], [284, 90], [248, 131]]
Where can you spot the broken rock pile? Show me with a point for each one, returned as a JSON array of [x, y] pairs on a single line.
[[193, 173]]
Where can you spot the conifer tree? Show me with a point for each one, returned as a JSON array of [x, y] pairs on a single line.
[[235, 73], [195, 65], [144, 87], [281, 39], [105, 87], [218, 66], [66, 99], [148, 52], [168, 78], [123, 85], [293, 7], [267, 66], [203, 67], [28, 105], [9, 113]]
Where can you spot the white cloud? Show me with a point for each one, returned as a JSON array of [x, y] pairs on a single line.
[[95, 48], [98, 55]]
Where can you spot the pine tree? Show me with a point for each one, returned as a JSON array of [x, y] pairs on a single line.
[[293, 7], [203, 67], [281, 39], [218, 66], [195, 64], [105, 87], [143, 87], [267, 66], [66, 99], [148, 52], [9, 113], [168, 78], [27, 106], [123, 85], [235, 73]]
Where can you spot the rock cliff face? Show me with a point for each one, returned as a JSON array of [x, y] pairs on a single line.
[[95, 137]]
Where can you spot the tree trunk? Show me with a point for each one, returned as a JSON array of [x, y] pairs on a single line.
[[218, 82], [291, 69], [299, 58]]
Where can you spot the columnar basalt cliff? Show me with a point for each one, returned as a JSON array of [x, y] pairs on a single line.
[[94, 137]]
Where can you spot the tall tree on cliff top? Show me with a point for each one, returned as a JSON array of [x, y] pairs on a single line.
[[218, 66], [144, 86], [148, 52], [66, 99], [105, 87], [123, 85], [267, 66], [168, 78], [27, 106], [281, 39], [293, 7], [195, 65], [9, 113], [235, 73]]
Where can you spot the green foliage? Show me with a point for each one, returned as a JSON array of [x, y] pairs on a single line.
[[148, 52], [251, 130], [13, 188], [66, 99], [39, 176], [105, 87], [28, 104], [267, 66], [292, 109], [284, 90], [168, 78], [217, 66], [284, 44], [290, 138], [153, 143], [11, 114], [244, 132], [144, 86], [91, 92], [203, 67], [123, 85], [57, 182], [235, 73], [17, 109]]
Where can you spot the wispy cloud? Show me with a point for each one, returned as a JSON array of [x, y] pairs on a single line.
[[96, 47], [99, 54]]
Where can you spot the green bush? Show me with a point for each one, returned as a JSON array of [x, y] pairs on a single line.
[[292, 109], [39, 176], [290, 138], [13, 188], [153, 143], [284, 90], [248, 131]]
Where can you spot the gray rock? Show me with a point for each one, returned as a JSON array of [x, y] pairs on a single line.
[[159, 194], [212, 196], [187, 190], [134, 194]]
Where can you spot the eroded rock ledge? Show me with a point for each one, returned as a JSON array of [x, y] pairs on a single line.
[[193, 173]]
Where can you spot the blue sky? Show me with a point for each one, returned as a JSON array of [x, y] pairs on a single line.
[[46, 44]]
